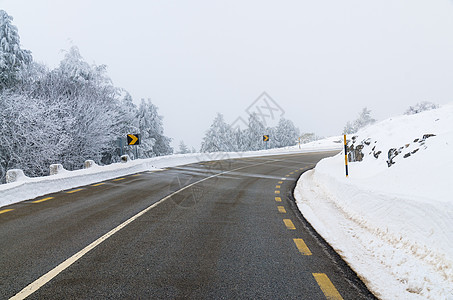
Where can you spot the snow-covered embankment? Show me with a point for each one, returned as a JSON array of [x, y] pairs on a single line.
[[28, 188], [393, 225]]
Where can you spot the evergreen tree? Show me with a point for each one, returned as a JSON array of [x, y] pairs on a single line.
[[253, 135], [12, 58], [153, 141], [128, 115], [183, 149], [238, 140], [286, 133], [218, 137]]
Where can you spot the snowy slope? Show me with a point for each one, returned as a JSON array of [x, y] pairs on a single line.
[[28, 188], [393, 225]]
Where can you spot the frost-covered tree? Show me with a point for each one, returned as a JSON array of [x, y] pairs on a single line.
[[128, 112], [222, 137], [419, 107], [183, 149], [363, 120], [253, 135], [12, 58], [70, 114], [218, 137], [90, 118], [29, 137], [308, 137], [285, 134], [238, 140], [153, 140]]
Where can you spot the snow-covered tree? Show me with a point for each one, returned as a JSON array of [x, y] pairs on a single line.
[[153, 140], [238, 140], [253, 135], [308, 137], [90, 117], [128, 112], [183, 149], [12, 58], [218, 137], [285, 134], [419, 107], [70, 114], [363, 120], [29, 137]]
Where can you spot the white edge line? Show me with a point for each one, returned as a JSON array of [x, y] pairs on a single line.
[[38, 283]]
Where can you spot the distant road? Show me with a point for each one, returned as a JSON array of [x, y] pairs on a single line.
[[229, 230]]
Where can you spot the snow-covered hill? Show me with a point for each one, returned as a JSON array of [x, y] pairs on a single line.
[[392, 219]]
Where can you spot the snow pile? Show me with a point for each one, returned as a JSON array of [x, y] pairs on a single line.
[[392, 224], [25, 188]]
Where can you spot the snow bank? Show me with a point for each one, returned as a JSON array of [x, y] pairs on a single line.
[[393, 225], [28, 188]]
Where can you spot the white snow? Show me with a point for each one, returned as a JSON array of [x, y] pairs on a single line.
[[393, 225], [26, 188]]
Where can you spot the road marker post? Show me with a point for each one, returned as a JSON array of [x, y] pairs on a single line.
[[346, 155]]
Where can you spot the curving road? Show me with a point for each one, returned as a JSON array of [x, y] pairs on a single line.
[[216, 230]]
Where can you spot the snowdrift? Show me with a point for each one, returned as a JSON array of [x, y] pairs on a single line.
[[392, 219]]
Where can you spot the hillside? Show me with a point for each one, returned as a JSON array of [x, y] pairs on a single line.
[[392, 218]]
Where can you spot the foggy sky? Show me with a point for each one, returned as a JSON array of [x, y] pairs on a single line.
[[321, 61]]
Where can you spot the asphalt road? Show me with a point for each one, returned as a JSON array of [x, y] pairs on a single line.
[[215, 230]]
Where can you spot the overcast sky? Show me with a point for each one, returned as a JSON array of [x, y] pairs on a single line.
[[321, 61]]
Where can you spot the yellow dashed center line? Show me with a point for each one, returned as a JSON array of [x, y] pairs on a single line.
[[277, 186], [5, 211], [98, 184], [289, 224], [42, 200], [74, 191], [280, 182], [278, 199], [135, 175], [281, 209], [327, 286], [303, 249], [287, 175], [118, 179], [291, 173], [277, 192]]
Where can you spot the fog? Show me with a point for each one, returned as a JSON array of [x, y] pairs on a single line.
[[320, 62]]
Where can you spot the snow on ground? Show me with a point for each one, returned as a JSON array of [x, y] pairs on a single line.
[[393, 225], [28, 188]]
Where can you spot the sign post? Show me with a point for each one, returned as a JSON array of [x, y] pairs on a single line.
[[346, 155]]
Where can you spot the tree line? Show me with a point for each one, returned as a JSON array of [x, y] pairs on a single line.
[[222, 137], [67, 114]]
